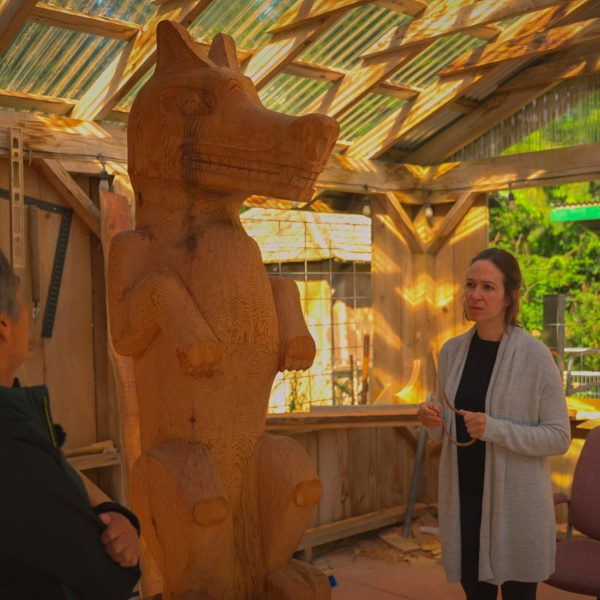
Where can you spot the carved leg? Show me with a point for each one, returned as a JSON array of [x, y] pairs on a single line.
[[298, 349], [177, 494], [289, 491], [140, 306]]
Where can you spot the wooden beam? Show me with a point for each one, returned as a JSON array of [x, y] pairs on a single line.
[[530, 46], [360, 176], [533, 169], [56, 174], [457, 20], [21, 101], [13, 13], [557, 71], [411, 115], [283, 48], [392, 206], [456, 214], [448, 90], [74, 20], [80, 142], [396, 90], [66, 138], [94, 461], [304, 13], [133, 61], [300, 68]]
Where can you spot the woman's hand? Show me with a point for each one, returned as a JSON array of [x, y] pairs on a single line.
[[428, 414], [475, 423]]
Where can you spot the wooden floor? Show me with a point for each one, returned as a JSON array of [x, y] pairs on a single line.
[[360, 578]]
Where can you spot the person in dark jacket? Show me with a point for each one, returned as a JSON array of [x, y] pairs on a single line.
[[53, 545]]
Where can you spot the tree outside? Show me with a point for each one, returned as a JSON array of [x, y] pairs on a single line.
[[554, 258]]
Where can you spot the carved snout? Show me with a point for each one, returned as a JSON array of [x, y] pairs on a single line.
[[317, 134]]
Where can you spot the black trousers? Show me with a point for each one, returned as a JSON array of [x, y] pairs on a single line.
[[470, 524]]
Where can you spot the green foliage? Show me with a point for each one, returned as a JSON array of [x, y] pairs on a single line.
[[554, 258]]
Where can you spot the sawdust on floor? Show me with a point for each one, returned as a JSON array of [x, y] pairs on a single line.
[[428, 547]]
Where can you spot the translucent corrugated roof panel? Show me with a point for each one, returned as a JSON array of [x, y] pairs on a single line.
[[352, 35], [247, 21], [57, 62], [366, 115]]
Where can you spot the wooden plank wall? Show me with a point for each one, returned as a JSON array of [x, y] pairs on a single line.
[[66, 362], [364, 470]]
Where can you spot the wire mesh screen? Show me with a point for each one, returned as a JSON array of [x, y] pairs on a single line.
[[336, 296]]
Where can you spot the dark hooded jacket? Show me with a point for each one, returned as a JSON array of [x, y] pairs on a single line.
[[50, 546]]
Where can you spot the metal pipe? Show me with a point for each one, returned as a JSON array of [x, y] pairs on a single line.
[[415, 476]]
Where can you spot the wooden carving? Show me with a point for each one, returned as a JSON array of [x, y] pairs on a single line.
[[223, 507]]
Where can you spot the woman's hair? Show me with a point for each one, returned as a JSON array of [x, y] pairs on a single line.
[[511, 277]]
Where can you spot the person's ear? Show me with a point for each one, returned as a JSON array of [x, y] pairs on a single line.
[[5, 328]]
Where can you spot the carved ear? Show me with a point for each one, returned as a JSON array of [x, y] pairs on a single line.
[[223, 52], [177, 49]]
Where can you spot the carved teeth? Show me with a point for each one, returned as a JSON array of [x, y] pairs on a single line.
[[238, 167]]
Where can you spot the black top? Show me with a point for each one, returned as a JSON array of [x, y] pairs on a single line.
[[470, 396], [50, 546]]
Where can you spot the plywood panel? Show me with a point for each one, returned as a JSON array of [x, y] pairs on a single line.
[[362, 470], [333, 471], [69, 361]]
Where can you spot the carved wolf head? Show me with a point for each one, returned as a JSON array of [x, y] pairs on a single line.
[[199, 120]]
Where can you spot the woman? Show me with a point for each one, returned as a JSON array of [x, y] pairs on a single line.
[[496, 510]]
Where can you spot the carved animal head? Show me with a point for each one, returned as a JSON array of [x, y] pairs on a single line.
[[199, 120]]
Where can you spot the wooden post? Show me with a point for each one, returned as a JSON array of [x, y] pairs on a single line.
[[17, 198]]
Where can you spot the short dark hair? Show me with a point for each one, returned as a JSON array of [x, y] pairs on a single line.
[[9, 286], [511, 277]]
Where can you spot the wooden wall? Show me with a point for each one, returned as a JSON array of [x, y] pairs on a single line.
[[417, 298], [366, 469], [68, 361]]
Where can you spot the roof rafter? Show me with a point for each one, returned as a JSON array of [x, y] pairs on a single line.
[[557, 71], [457, 20], [373, 70], [530, 46], [74, 20], [499, 107], [13, 13], [306, 12], [132, 63], [448, 90]]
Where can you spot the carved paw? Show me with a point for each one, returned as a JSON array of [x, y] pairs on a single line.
[[201, 358], [297, 354], [317, 580], [287, 584]]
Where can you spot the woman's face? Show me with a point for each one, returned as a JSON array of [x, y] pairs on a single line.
[[485, 299]]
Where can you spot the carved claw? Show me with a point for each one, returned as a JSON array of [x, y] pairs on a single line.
[[315, 578], [287, 584], [196, 595], [201, 358], [297, 354]]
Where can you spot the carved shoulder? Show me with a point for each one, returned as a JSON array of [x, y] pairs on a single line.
[[127, 260]]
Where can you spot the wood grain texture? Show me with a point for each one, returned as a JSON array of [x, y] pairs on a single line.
[[459, 19], [75, 197], [65, 18], [536, 44], [224, 508], [13, 14]]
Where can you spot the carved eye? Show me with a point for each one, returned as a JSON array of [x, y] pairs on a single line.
[[188, 103]]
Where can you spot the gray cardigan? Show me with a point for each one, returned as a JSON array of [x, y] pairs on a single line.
[[527, 422]]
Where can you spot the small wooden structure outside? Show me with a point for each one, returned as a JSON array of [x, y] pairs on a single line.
[[429, 216]]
